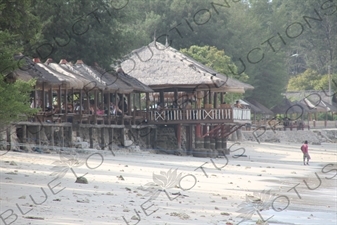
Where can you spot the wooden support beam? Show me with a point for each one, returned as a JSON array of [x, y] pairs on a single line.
[[71, 136], [109, 111], [111, 134], [52, 140], [102, 137], [147, 99], [91, 138], [59, 93], [43, 98], [178, 127], [95, 106]]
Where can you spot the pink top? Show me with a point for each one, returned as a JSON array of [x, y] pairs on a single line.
[[305, 148]]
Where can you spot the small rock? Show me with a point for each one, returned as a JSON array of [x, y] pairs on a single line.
[[216, 208], [13, 163], [81, 180], [120, 177], [56, 200], [22, 197], [12, 173], [224, 214], [128, 189], [83, 201], [134, 217]]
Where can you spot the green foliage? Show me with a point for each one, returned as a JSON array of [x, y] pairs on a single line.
[[17, 26], [311, 80], [14, 101], [214, 58], [89, 30]]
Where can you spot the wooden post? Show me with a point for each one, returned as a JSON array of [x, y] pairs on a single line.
[[215, 100], [81, 103], [52, 141], [51, 97], [38, 136], [43, 98], [116, 104], [71, 136], [147, 98], [72, 98], [205, 127], [90, 137], [179, 136], [102, 104], [148, 137], [129, 104], [8, 135], [199, 144], [24, 133], [111, 133], [109, 114], [221, 98], [95, 106], [134, 107], [35, 95], [65, 104], [161, 97], [102, 137], [122, 100], [59, 99]]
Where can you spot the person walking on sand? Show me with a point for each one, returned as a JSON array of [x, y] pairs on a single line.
[[304, 149]]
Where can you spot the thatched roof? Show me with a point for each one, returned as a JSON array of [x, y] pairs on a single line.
[[263, 109], [163, 67], [110, 82], [286, 106], [89, 81], [70, 82], [78, 76], [136, 85], [32, 71], [331, 108], [310, 106], [84, 82]]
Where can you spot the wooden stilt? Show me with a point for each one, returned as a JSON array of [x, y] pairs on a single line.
[[91, 138]]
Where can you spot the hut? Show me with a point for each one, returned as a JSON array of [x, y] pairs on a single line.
[[260, 111], [187, 95], [77, 97]]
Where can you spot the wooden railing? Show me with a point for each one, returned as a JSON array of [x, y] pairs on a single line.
[[241, 114], [199, 114]]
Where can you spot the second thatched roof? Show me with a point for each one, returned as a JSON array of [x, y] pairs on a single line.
[[162, 67]]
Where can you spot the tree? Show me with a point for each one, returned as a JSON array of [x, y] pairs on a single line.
[[15, 22], [15, 101], [93, 31], [311, 80], [214, 58]]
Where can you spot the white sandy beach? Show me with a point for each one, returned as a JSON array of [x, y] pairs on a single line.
[[214, 197]]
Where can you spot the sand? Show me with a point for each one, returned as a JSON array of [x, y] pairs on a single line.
[[126, 188]]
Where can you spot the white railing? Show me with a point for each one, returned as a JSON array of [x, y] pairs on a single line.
[[199, 114], [241, 114]]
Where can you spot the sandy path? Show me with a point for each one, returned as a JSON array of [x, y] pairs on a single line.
[[213, 196]]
